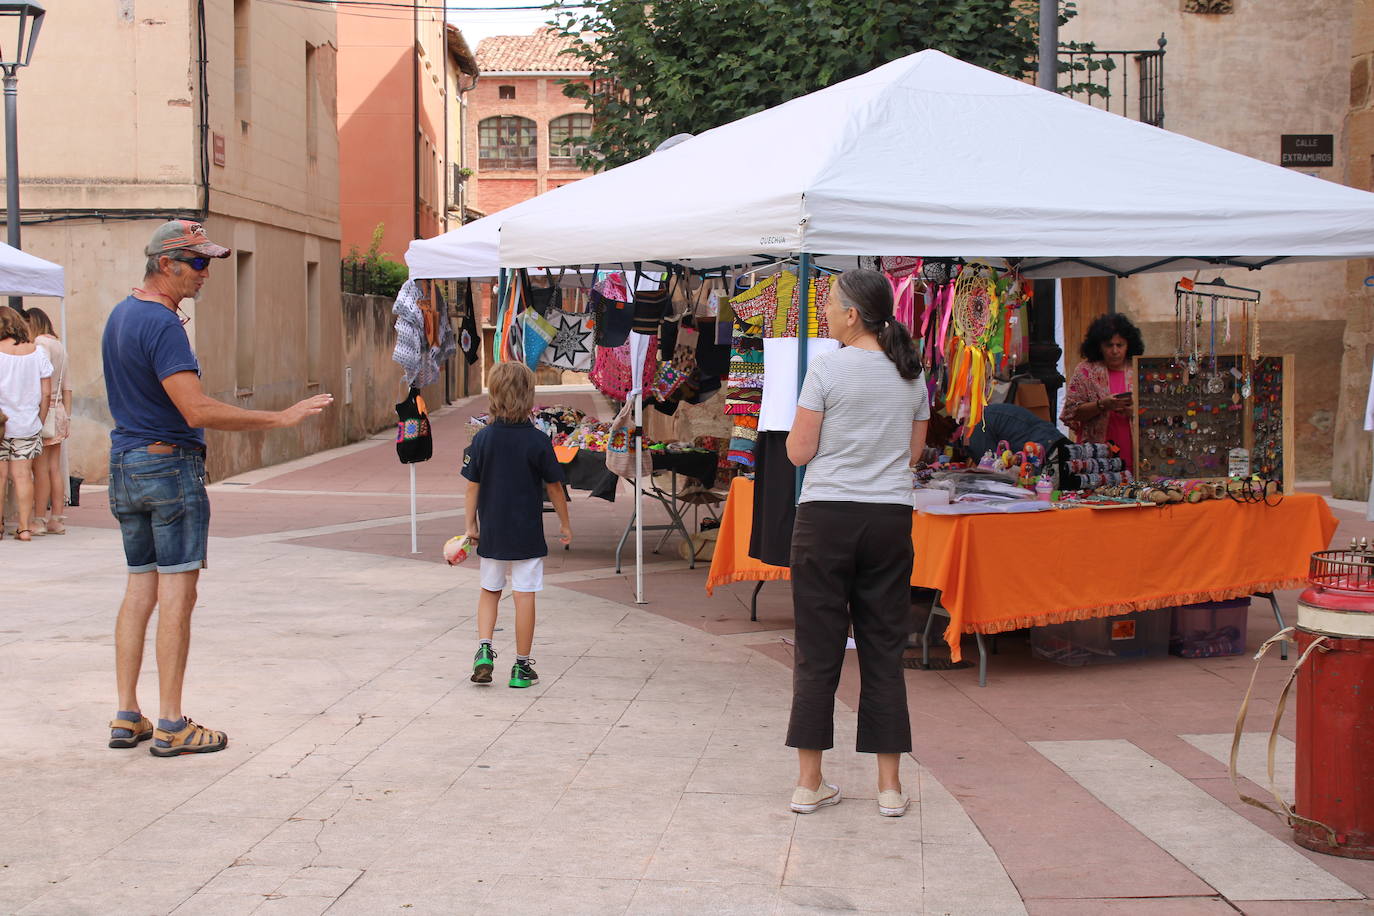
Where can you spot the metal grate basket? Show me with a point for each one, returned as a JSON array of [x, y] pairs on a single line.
[[1347, 570]]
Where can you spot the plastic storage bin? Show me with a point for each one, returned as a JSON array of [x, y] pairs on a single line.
[[1102, 640], [1210, 630]]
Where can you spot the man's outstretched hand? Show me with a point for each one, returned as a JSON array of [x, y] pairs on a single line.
[[300, 410]]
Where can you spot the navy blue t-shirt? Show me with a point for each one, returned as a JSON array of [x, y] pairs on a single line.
[[512, 462], [144, 343]]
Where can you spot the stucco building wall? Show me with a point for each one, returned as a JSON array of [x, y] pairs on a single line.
[[118, 132], [1239, 81]]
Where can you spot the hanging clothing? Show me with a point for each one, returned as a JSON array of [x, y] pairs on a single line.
[[775, 501], [418, 358]]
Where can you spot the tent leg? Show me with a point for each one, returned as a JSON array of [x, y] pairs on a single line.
[[414, 534], [803, 335], [639, 497]]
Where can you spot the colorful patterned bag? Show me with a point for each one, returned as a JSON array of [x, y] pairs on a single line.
[[620, 448], [413, 440], [611, 374]]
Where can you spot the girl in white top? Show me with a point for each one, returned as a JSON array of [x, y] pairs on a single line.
[[48, 483], [25, 390]]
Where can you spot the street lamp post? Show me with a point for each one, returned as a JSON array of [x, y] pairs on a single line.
[[19, 25]]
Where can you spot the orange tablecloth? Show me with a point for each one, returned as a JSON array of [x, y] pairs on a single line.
[[1004, 572]]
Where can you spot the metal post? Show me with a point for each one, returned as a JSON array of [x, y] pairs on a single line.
[[1048, 77], [12, 168], [803, 333], [414, 534]]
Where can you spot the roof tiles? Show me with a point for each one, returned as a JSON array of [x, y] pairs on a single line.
[[540, 52]]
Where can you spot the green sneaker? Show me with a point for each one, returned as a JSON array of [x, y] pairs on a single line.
[[522, 674], [482, 663]]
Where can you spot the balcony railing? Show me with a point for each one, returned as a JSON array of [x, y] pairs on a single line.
[[1104, 79]]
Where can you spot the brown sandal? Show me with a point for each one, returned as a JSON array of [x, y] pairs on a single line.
[[192, 739], [141, 730], [23, 534]]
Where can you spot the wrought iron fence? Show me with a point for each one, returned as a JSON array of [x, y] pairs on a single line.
[[370, 279], [1103, 79]]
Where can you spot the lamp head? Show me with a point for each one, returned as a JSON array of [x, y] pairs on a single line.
[[20, 21]]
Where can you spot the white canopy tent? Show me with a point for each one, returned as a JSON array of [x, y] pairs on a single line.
[[22, 274], [468, 251], [928, 155]]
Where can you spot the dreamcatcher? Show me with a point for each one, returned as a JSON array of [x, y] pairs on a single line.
[[976, 316]]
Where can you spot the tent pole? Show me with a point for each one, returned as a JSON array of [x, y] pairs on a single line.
[[639, 495], [803, 332], [414, 539]]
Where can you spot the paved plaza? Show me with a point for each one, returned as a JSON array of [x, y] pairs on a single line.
[[644, 773]]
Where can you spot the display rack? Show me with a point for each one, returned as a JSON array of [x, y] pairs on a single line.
[[1186, 425]]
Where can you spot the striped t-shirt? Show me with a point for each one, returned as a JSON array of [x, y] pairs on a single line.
[[864, 454]]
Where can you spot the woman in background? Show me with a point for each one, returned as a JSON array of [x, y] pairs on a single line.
[[1097, 402], [48, 480], [25, 390]]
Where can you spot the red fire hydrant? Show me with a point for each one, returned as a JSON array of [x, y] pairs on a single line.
[[1335, 747]]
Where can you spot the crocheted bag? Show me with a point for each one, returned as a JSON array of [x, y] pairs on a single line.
[[611, 374]]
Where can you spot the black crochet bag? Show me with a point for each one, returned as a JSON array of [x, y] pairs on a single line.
[[413, 440]]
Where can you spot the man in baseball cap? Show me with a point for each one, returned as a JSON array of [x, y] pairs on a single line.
[[157, 479], [183, 235]]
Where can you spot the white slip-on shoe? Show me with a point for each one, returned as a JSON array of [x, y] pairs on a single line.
[[892, 803], [805, 801]]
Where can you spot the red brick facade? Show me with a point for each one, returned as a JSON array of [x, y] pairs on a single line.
[[530, 68]]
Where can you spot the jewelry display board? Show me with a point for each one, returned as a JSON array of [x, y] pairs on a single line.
[[1187, 424]]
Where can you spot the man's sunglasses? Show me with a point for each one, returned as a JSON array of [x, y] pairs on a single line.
[[199, 262]]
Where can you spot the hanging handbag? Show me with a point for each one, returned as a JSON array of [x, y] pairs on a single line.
[[613, 319], [469, 340], [572, 346], [611, 374], [620, 447], [413, 440]]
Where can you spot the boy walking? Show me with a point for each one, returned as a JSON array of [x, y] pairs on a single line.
[[509, 467]]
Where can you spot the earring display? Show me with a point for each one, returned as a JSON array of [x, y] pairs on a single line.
[[1188, 423]]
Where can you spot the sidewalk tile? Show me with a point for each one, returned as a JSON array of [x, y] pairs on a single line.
[[840, 862], [561, 896], [668, 898], [688, 854]]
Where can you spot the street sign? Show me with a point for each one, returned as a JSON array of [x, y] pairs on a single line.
[[1307, 150]]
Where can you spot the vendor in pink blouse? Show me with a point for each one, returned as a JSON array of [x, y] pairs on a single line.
[[1097, 403]]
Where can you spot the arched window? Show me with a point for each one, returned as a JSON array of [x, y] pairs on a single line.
[[568, 139], [507, 142]]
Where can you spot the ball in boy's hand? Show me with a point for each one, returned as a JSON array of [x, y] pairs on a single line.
[[456, 549]]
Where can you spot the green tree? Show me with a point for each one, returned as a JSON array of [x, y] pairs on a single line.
[[684, 66]]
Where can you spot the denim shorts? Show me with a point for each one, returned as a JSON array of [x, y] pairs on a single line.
[[162, 508]]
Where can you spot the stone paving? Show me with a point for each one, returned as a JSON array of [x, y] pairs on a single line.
[[645, 773]]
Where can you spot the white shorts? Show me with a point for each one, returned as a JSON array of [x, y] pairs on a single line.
[[525, 575]]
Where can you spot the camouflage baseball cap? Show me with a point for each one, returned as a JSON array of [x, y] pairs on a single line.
[[183, 235]]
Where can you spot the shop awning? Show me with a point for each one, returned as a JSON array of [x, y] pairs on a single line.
[[928, 155]]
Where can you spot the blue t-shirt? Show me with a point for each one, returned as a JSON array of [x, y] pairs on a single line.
[[144, 343], [512, 462]]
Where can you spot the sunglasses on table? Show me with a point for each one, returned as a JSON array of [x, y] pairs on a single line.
[[197, 262]]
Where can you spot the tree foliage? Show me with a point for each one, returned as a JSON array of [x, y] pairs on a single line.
[[684, 66]]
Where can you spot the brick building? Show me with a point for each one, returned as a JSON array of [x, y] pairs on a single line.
[[521, 130]]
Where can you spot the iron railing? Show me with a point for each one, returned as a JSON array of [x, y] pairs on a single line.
[[1104, 78]]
